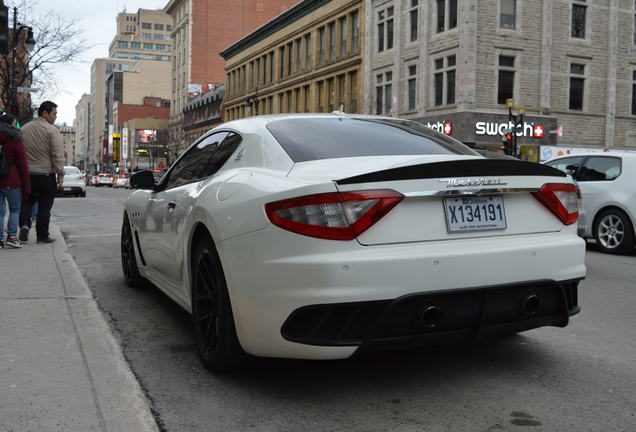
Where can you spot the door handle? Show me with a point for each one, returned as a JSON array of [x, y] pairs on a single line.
[[172, 205]]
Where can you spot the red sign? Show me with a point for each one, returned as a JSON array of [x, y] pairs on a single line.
[[538, 131], [448, 128]]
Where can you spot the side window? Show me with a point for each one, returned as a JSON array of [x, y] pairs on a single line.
[[567, 165], [212, 159], [190, 167], [598, 168]]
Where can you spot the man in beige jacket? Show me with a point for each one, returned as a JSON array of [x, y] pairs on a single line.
[[45, 152]]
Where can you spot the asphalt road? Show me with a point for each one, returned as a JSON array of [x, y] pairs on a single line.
[[579, 378]]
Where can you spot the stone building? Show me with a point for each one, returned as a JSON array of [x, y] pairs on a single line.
[[68, 142], [202, 29], [203, 113], [453, 64], [307, 59]]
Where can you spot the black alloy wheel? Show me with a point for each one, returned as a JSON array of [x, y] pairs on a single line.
[[614, 232], [128, 261], [217, 346]]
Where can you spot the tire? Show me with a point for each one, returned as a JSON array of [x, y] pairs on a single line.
[[128, 259], [614, 232], [217, 345], [83, 194]]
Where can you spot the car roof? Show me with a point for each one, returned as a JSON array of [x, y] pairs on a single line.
[[613, 153]]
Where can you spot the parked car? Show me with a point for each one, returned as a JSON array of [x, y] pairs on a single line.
[[607, 184], [104, 179], [317, 236], [122, 180], [74, 182]]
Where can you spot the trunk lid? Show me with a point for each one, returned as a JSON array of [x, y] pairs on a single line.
[[457, 197]]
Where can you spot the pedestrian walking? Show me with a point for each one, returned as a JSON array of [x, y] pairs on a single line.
[[44, 149], [14, 178]]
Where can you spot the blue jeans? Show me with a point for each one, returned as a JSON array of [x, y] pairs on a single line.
[[14, 196]]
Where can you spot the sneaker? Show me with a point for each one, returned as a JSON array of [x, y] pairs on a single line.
[[46, 240], [13, 242], [24, 234]]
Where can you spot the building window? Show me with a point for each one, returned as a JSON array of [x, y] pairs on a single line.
[[444, 80], [633, 92], [146, 26], [353, 91], [290, 58], [412, 87], [578, 20], [122, 44], [413, 20], [168, 27], [157, 36], [355, 31], [160, 47], [332, 40], [146, 36], [308, 51], [148, 46], [508, 14], [506, 80], [135, 45], [577, 86], [385, 29], [383, 93], [159, 27], [322, 45], [281, 62], [343, 36], [446, 15], [299, 54]]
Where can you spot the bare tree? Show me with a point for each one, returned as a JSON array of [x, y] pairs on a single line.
[[58, 40]]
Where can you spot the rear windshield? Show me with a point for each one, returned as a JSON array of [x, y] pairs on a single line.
[[71, 170], [306, 139]]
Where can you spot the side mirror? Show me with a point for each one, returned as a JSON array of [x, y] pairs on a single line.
[[142, 180]]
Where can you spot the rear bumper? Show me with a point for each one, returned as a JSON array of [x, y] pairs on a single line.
[[271, 274], [72, 189], [434, 319]]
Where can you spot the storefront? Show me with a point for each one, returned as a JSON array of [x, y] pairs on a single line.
[[485, 130]]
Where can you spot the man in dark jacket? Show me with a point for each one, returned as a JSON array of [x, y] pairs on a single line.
[[15, 185]]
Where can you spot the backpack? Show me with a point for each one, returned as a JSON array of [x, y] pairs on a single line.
[[4, 165]]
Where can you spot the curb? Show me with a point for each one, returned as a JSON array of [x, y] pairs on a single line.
[[119, 398]]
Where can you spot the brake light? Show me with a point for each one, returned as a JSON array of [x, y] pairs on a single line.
[[561, 200], [333, 216]]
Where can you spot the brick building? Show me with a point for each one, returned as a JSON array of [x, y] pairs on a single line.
[[306, 59], [452, 64], [202, 29]]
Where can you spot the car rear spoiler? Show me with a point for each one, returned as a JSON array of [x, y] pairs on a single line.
[[457, 168]]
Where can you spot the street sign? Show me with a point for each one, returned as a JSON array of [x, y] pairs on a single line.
[[27, 89]]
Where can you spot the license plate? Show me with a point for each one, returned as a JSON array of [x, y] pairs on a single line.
[[67, 188], [475, 214]]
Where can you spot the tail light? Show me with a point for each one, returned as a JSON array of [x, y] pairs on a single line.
[[333, 216], [560, 199]]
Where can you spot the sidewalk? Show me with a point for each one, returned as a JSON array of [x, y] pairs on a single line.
[[61, 369]]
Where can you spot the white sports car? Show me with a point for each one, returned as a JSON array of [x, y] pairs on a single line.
[[317, 236]]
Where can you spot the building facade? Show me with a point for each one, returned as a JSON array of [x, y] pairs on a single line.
[[203, 113], [68, 143], [454, 64], [202, 29], [307, 59], [81, 126], [146, 34], [97, 143], [144, 144]]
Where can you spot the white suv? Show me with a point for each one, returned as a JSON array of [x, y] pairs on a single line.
[[606, 181], [74, 182]]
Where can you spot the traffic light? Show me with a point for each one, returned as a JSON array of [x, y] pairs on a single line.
[[4, 30], [508, 142]]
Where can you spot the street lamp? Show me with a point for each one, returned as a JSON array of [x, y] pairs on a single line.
[[29, 45]]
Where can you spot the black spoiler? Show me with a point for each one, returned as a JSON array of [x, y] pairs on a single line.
[[457, 168]]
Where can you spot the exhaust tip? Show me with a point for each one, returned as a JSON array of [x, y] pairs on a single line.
[[530, 304], [430, 316]]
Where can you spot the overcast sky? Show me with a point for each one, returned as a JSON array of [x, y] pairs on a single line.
[[97, 19]]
